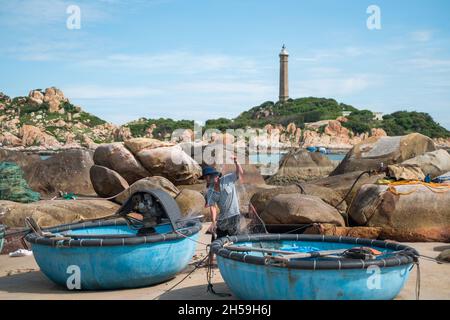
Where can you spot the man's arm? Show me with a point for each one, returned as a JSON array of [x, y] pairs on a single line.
[[239, 170], [213, 210]]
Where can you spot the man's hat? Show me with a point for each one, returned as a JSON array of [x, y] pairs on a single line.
[[209, 171]]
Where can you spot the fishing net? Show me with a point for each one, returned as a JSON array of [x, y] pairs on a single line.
[[13, 186]]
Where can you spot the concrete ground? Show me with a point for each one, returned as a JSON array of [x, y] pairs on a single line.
[[20, 278]]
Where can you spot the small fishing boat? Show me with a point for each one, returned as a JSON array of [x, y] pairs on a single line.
[[122, 253], [312, 267], [2, 236]]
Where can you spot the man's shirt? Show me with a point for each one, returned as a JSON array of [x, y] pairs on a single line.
[[226, 199]]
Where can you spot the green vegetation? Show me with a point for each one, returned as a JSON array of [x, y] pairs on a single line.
[[404, 122], [90, 120], [164, 126], [301, 111], [298, 111], [397, 124]]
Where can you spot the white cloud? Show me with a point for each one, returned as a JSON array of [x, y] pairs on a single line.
[[428, 63], [172, 62], [336, 86], [421, 36], [94, 92]]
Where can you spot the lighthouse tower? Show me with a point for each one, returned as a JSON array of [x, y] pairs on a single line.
[[284, 77]]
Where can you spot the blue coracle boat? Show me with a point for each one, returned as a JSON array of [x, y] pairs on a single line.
[[260, 271], [118, 254]]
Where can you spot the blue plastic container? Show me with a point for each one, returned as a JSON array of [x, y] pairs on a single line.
[[113, 263], [251, 277]]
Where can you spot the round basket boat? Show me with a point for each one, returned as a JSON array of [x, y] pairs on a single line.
[[256, 275], [110, 254]]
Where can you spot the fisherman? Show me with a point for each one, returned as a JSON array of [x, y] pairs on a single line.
[[221, 191]]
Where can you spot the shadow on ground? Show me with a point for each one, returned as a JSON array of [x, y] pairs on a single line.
[[30, 282], [197, 293]]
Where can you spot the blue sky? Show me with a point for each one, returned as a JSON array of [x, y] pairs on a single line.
[[200, 59]]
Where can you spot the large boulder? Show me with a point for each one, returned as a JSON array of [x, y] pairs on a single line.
[[261, 198], [192, 203], [49, 213], [106, 182], [300, 165], [355, 232], [155, 182], [434, 163], [405, 212], [137, 144], [118, 158], [374, 151], [172, 163], [300, 209], [66, 170], [328, 195], [341, 184]]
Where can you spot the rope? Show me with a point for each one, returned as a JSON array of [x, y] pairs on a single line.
[[351, 188], [432, 186], [197, 266], [417, 289], [193, 240]]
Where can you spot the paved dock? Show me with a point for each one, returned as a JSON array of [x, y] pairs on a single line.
[[20, 278]]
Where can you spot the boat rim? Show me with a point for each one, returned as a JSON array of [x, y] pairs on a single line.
[[192, 227], [407, 255]]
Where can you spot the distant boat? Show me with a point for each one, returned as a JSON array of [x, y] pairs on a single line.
[[317, 149], [312, 267]]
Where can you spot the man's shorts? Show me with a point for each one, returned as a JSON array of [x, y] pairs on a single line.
[[229, 226]]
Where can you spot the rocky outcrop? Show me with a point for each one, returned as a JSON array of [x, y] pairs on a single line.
[[118, 158], [106, 182], [54, 121], [8, 139], [332, 135], [405, 212], [49, 213], [300, 209], [300, 165], [32, 136], [375, 151]]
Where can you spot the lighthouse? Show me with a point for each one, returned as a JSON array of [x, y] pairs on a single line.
[[284, 76]]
